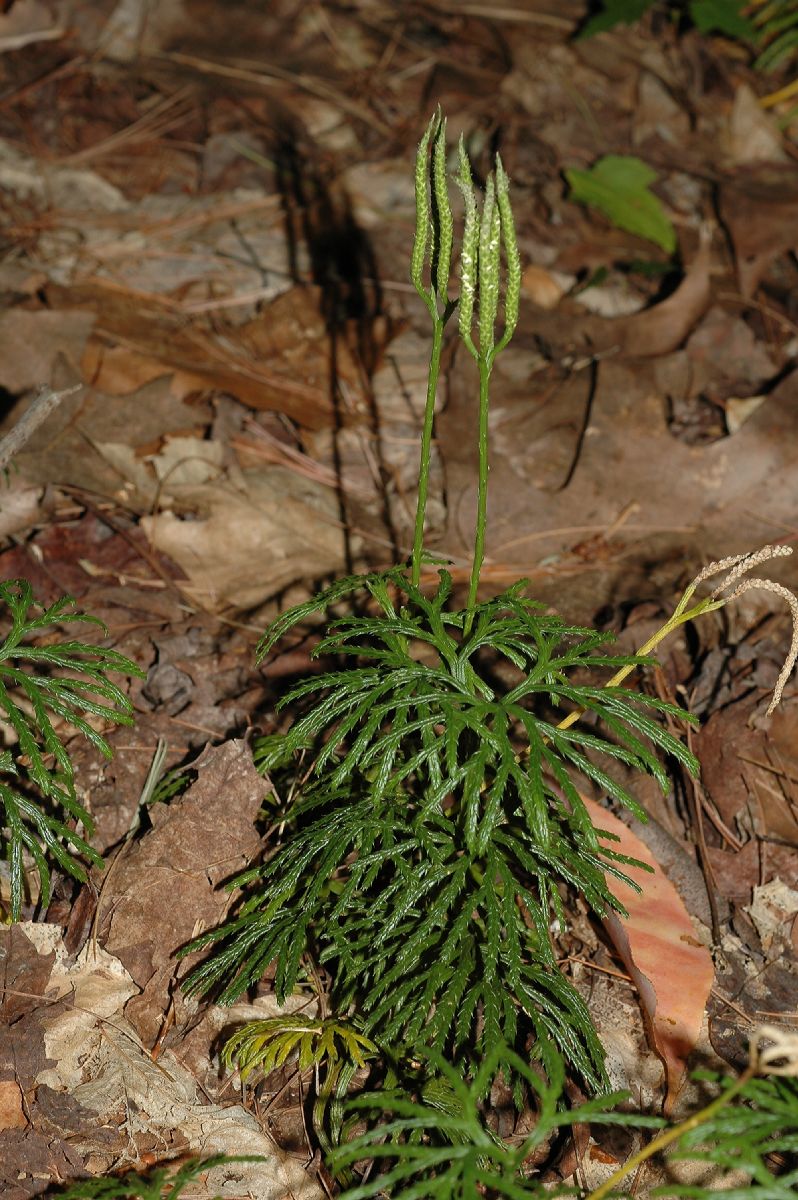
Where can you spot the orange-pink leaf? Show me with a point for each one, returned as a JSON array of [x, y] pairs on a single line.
[[671, 969]]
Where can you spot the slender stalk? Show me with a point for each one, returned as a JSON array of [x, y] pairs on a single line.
[[426, 444], [671, 1135], [679, 617], [736, 567], [485, 364]]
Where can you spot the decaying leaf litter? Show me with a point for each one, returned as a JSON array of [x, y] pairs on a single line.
[[211, 237]]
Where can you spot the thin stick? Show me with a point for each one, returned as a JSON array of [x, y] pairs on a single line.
[[45, 403], [519, 15], [273, 76]]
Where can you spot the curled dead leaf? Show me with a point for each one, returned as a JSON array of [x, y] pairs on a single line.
[[671, 968], [663, 328]]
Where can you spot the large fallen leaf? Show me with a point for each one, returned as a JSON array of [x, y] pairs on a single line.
[[660, 329], [672, 970], [109, 1096], [32, 340], [241, 547], [283, 359], [759, 207], [196, 843]]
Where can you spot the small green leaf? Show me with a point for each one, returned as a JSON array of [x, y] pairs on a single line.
[[616, 12], [722, 16], [618, 185]]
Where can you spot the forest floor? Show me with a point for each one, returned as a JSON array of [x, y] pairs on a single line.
[[207, 214]]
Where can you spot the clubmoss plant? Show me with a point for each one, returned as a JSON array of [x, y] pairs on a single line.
[[333, 1048], [440, 1148], [769, 27], [436, 816], [49, 684]]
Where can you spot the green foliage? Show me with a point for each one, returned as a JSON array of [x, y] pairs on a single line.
[[618, 185], [437, 819], [776, 24], [161, 1183], [763, 1122], [265, 1045], [43, 689], [439, 1148], [708, 16], [332, 1047], [616, 12], [722, 16], [770, 26]]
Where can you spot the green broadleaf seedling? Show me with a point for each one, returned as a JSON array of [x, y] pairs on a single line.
[[618, 186]]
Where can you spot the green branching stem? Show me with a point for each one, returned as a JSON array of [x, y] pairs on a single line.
[[433, 244], [426, 447], [485, 363]]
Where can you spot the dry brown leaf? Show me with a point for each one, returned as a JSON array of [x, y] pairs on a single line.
[[612, 301], [754, 136], [167, 887], [671, 968], [62, 450], [98, 1068], [281, 360], [545, 288], [725, 357], [759, 208], [658, 114], [243, 547], [23, 504], [32, 340], [662, 328], [773, 910], [119, 370], [12, 1115]]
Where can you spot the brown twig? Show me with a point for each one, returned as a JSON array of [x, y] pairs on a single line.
[[43, 406], [274, 76], [698, 805]]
